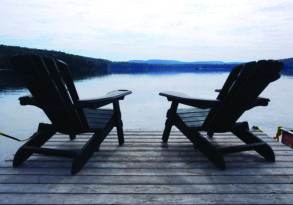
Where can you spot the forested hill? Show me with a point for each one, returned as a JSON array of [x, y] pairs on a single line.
[[157, 66], [80, 66], [84, 66], [141, 67]]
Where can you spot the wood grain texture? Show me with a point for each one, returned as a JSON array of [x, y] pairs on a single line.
[[145, 171]]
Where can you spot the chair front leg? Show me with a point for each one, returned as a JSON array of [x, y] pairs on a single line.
[[44, 133], [118, 122], [169, 121], [72, 136]]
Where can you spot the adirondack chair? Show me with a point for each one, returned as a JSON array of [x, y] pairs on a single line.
[[52, 88], [239, 94]]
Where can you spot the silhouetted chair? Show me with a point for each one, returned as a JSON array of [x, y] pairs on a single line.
[[52, 88], [239, 94]]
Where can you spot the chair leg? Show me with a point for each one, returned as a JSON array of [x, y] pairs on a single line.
[[89, 148], [206, 148], [210, 151], [167, 130], [72, 137], [118, 122], [169, 121], [210, 134], [44, 133], [241, 130], [87, 151], [120, 132]]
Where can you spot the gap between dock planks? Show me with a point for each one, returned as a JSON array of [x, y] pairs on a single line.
[[145, 171]]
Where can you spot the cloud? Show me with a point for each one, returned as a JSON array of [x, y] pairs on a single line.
[[129, 29]]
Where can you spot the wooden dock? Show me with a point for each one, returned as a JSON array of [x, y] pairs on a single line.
[[145, 171]]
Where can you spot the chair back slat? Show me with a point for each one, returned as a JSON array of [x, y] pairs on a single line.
[[241, 89], [52, 87]]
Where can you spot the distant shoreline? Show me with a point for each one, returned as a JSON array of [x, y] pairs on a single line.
[[83, 67]]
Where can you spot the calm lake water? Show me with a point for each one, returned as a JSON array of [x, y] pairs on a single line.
[[145, 109]]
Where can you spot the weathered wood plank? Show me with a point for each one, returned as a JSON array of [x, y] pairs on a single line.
[[158, 135], [141, 143], [166, 155], [156, 140], [134, 156], [156, 180], [153, 165], [157, 147], [145, 171], [146, 199], [151, 172], [160, 132], [147, 189]]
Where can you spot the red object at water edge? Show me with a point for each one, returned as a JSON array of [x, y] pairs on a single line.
[[286, 136]]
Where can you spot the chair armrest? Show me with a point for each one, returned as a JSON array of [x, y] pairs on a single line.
[[186, 100], [105, 100], [259, 102], [28, 100]]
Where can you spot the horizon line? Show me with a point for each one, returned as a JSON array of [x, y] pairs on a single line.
[[141, 59]]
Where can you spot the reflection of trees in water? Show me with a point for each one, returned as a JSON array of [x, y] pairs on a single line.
[[10, 80]]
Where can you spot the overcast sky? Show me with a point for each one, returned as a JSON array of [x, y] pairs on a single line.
[[189, 30]]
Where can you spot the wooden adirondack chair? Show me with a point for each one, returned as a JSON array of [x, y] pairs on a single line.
[[52, 88], [239, 94]]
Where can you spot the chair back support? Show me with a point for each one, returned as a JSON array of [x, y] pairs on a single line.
[[50, 83], [241, 89]]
